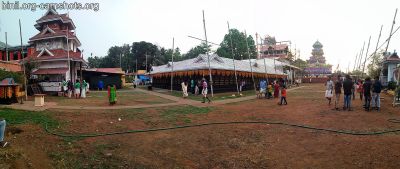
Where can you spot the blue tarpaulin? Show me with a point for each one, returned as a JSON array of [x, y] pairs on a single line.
[[143, 77]]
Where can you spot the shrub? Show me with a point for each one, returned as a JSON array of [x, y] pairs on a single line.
[[392, 85]]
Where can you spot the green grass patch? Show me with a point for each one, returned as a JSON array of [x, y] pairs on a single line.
[[181, 114], [217, 96], [13, 116]]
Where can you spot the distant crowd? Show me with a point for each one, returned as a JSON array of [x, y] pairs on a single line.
[[366, 89]]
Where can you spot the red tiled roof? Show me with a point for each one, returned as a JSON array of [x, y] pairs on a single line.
[[54, 71], [49, 35], [63, 17], [58, 54], [275, 47], [10, 66], [273, 56]]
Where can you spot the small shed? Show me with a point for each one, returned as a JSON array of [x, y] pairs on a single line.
[[109, 76]]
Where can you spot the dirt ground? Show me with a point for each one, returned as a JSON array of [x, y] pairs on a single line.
[[99, 98], [218, 146]]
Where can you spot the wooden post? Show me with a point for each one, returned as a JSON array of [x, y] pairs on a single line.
[[366, 55], [208, 56], [233, 60], [22, 53], [251, 68]]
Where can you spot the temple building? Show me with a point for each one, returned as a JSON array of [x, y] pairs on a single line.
[[270, 48], [55, 49], [222, 70], [317, 65], [389, 72]]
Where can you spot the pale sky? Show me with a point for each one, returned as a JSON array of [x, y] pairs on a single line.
[[340, 25]]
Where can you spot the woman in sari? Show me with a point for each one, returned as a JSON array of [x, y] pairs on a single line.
[[276, 90], [112, 94]]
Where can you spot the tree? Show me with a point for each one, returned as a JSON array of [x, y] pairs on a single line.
[[375, 67], [142, 50], [95, 62], [238, 45], [194, 52]]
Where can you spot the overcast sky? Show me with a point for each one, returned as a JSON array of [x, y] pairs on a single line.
[[340, 25]]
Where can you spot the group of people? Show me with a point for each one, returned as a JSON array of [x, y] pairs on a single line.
[[368, 90], [278, 89], [196, 88], [69, 88]]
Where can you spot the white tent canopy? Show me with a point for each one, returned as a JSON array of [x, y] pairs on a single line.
[[221, 63]]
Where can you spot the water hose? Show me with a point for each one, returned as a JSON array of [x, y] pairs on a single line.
[[347, 132]]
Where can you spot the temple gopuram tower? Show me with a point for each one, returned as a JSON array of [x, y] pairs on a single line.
[[317, 63], [55, 49]]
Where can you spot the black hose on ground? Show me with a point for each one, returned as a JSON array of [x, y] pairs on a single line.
[[347, 132]]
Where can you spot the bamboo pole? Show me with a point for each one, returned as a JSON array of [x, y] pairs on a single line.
[[172, 64], [251, 68], [233, 59], [377, 43], [208, 56], [22, 54], [391, 30], [361, 54], [366, 55]]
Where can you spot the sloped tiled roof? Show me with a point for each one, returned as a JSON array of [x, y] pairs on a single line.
[[58, 54]]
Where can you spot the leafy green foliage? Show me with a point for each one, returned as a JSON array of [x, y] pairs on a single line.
[[375, 66], [392, 85], [238, 44], [199, 49], [18, 77]]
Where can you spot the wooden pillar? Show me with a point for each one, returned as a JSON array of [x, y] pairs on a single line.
[[80, 69]]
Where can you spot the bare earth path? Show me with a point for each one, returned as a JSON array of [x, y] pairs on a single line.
[[29, 105]]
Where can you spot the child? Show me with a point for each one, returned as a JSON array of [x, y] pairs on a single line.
[[270, 91], [283, 95]]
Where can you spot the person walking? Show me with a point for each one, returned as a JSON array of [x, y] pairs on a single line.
[[77, 87], [197, 88], [184, 90], [347, 90], [192, 84], [276, 90], [70, 88], [329, 90], [360, 89], [84, 87], [2, 129], [269, 88], [263, 88], [242, 83], [205, 91], [376, 92], [338, 91], [367, 93], [353, 90], [112, 94], [283, 96]]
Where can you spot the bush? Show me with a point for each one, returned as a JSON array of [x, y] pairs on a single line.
[[392, 85], [18, 77]]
